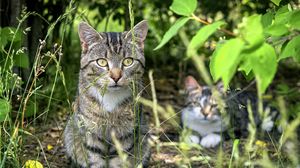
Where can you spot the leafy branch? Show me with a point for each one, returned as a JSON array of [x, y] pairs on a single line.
[[207, 23], [248, 50]]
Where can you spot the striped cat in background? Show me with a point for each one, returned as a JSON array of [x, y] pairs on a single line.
[[112, 65], [203, 117]]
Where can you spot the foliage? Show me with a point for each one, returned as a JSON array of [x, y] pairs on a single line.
[[39, 60], [172, 31], [252, 47], [5, 108], [202, 35], [256, 48], [11, 40]]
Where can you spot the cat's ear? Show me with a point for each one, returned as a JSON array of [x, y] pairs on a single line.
[[87, 36], [191, 84], [139, 31]]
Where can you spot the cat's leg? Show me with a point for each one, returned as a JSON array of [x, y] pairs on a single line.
[[131, 160], [74, 146], [193, 139], [118, 162], [267, 124], [96, 151], [210, 140], [88, 155], [95, 160]]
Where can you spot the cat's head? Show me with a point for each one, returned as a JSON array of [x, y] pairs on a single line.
[[200, 102], [112, 60]]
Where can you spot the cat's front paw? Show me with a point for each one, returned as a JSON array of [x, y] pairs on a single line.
[[193, 139], [267, 124], [210, 140]]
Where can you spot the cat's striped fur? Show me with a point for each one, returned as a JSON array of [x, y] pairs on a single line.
[[112, 65]]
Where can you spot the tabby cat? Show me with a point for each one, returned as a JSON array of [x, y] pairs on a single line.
[[203, 117], [112, 65]]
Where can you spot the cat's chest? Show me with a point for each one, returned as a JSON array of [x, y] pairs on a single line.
[[121, 120], [206, 128], [203, 127], [110, 101]]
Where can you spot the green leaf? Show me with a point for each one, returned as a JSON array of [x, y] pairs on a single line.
[[213, 61], [184, 7], [10, 32], [202, 35], [249, 77], [31, 109], [252, 31], [3, 39], [21, 60], [276, 2], [266, 19], [264, 64], [5, 108], [172, 31], [295, 20], [292, 49], [225, 61], [283, 15], [277, 30], [245, 65]]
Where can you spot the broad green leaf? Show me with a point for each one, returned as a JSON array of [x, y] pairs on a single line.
[[252, 31], [3, 39], [31, 109], [202, 35], [21, 60], [184, 7], [277, 30], [3, 42], [10, 32], [245, 65], [292, 49], [266, 19], [264, 65], [295, 20], [213, 60], [224, 63], [248, 77], [172, 31], [283, 15], [5, 108], [276, 2]]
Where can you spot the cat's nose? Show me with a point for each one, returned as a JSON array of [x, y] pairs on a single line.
[[206, 111], [115, 74], [205, 115]]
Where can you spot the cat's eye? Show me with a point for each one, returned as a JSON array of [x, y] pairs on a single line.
[[127, 61], [102, 62]]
